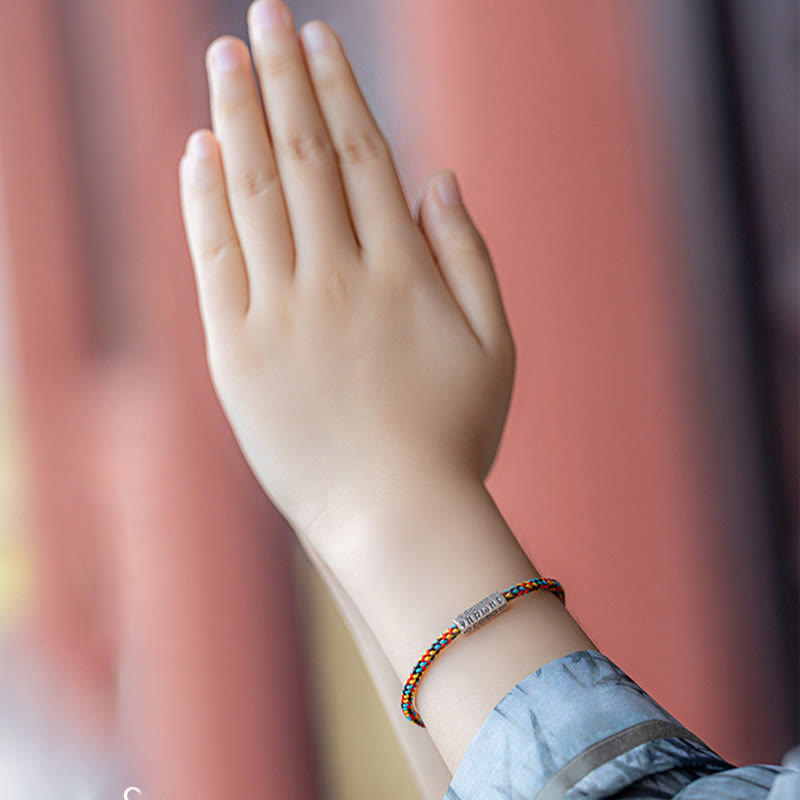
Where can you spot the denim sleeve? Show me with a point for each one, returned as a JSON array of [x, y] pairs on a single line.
[[579, 727]]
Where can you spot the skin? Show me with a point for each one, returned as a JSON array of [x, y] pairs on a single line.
[[364, 360]]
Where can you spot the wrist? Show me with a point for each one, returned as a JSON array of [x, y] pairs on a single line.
[[411, 562], [435, 536], [407, 506]]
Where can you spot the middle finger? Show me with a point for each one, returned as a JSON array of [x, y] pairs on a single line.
[[305, 156]]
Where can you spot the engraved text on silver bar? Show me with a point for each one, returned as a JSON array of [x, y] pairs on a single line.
[[467, 621]]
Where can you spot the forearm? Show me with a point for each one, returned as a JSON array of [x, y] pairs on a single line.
[[430, 772], [418, 554]]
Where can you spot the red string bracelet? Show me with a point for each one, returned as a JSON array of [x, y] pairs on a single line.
[[466, 622]]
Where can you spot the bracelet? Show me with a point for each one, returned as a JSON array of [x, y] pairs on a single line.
[[466, 622]]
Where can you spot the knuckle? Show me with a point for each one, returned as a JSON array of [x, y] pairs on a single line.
[[230, 102], [304, 147], [218, 251], [467, 240], [277, 65], [362, 147], [331, 81], [399, 280], [254, 183], [336, 288]]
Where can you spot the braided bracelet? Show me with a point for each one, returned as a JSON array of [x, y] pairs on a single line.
[[466, 622]]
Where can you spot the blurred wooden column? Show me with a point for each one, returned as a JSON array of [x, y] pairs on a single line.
[[155, 546], [544, 111], [44, 244]]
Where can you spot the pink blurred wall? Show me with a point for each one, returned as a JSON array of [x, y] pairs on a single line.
[[546, 112], [159, 563]]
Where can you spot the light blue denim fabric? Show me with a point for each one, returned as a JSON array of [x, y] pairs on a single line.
[[580, 728]]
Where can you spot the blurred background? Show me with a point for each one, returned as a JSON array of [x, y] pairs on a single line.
[[633, 165]]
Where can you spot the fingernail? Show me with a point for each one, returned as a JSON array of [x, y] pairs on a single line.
[[315, 37], [448, 190], [270, 15], [226, 56], [200, 145]]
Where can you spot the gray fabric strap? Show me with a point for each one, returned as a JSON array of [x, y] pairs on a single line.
[[606, 749]]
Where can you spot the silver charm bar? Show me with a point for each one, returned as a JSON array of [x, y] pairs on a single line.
[[467, 621]]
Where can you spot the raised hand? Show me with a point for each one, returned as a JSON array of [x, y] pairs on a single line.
[[349, 343]]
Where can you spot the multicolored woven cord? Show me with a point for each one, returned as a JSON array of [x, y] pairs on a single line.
[[430, 655]]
